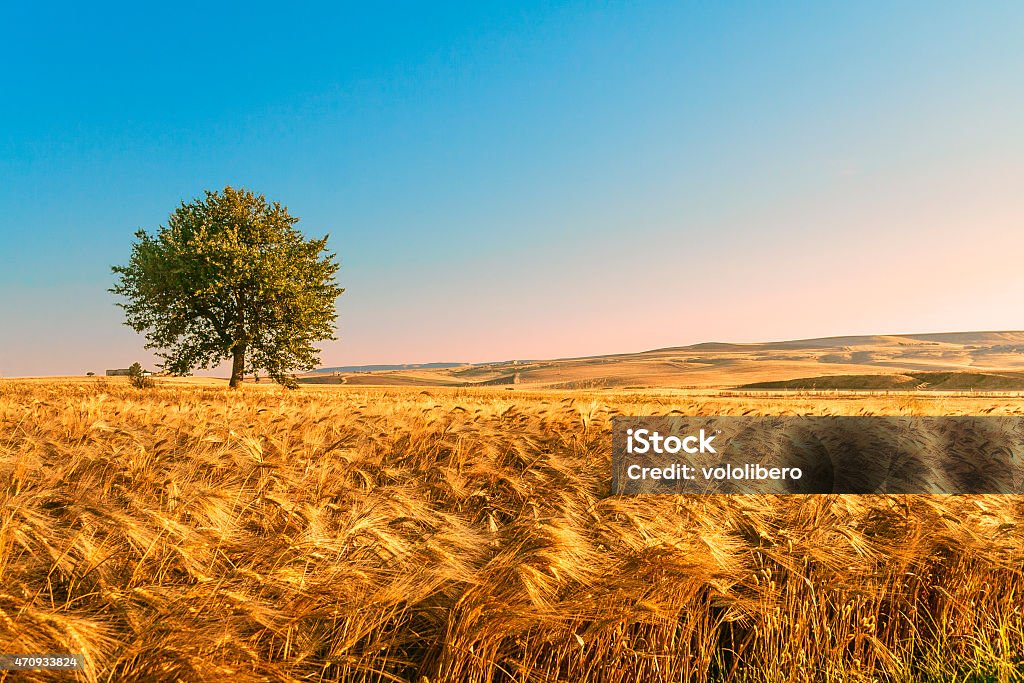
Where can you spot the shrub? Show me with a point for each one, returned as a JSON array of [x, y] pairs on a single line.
[[138, 377]]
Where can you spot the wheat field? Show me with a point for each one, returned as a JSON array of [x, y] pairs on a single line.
[[187, 533]]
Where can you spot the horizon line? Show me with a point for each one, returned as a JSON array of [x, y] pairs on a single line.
[[426, 365]]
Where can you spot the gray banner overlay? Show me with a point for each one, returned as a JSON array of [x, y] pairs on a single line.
[[817, 454]]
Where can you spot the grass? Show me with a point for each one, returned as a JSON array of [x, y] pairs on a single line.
[[191, 534]]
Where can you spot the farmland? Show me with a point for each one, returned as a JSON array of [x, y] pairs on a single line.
[[951, 361], [189, 533]]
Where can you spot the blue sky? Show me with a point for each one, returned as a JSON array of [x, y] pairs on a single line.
[[532, 180]]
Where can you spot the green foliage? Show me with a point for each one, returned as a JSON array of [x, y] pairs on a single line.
[[230, 276], [138, 378]]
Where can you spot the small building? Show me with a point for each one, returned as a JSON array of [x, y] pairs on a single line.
[[120, 372]]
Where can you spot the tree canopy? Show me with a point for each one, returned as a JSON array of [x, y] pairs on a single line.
[[231, 277]]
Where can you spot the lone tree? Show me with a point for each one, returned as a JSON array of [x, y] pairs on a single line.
[[231, 277], [138, 377]]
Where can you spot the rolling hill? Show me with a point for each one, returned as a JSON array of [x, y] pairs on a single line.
[[948, 361]]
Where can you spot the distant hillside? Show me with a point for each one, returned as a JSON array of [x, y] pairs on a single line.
[[1015, 338], [375, 368], [950, 361], [918, 381]]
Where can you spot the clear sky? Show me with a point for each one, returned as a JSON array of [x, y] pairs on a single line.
[[528, 180]]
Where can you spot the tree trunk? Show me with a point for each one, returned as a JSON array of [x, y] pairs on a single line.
[[237, 366]]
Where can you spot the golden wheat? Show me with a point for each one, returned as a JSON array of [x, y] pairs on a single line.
[[189, 534]]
